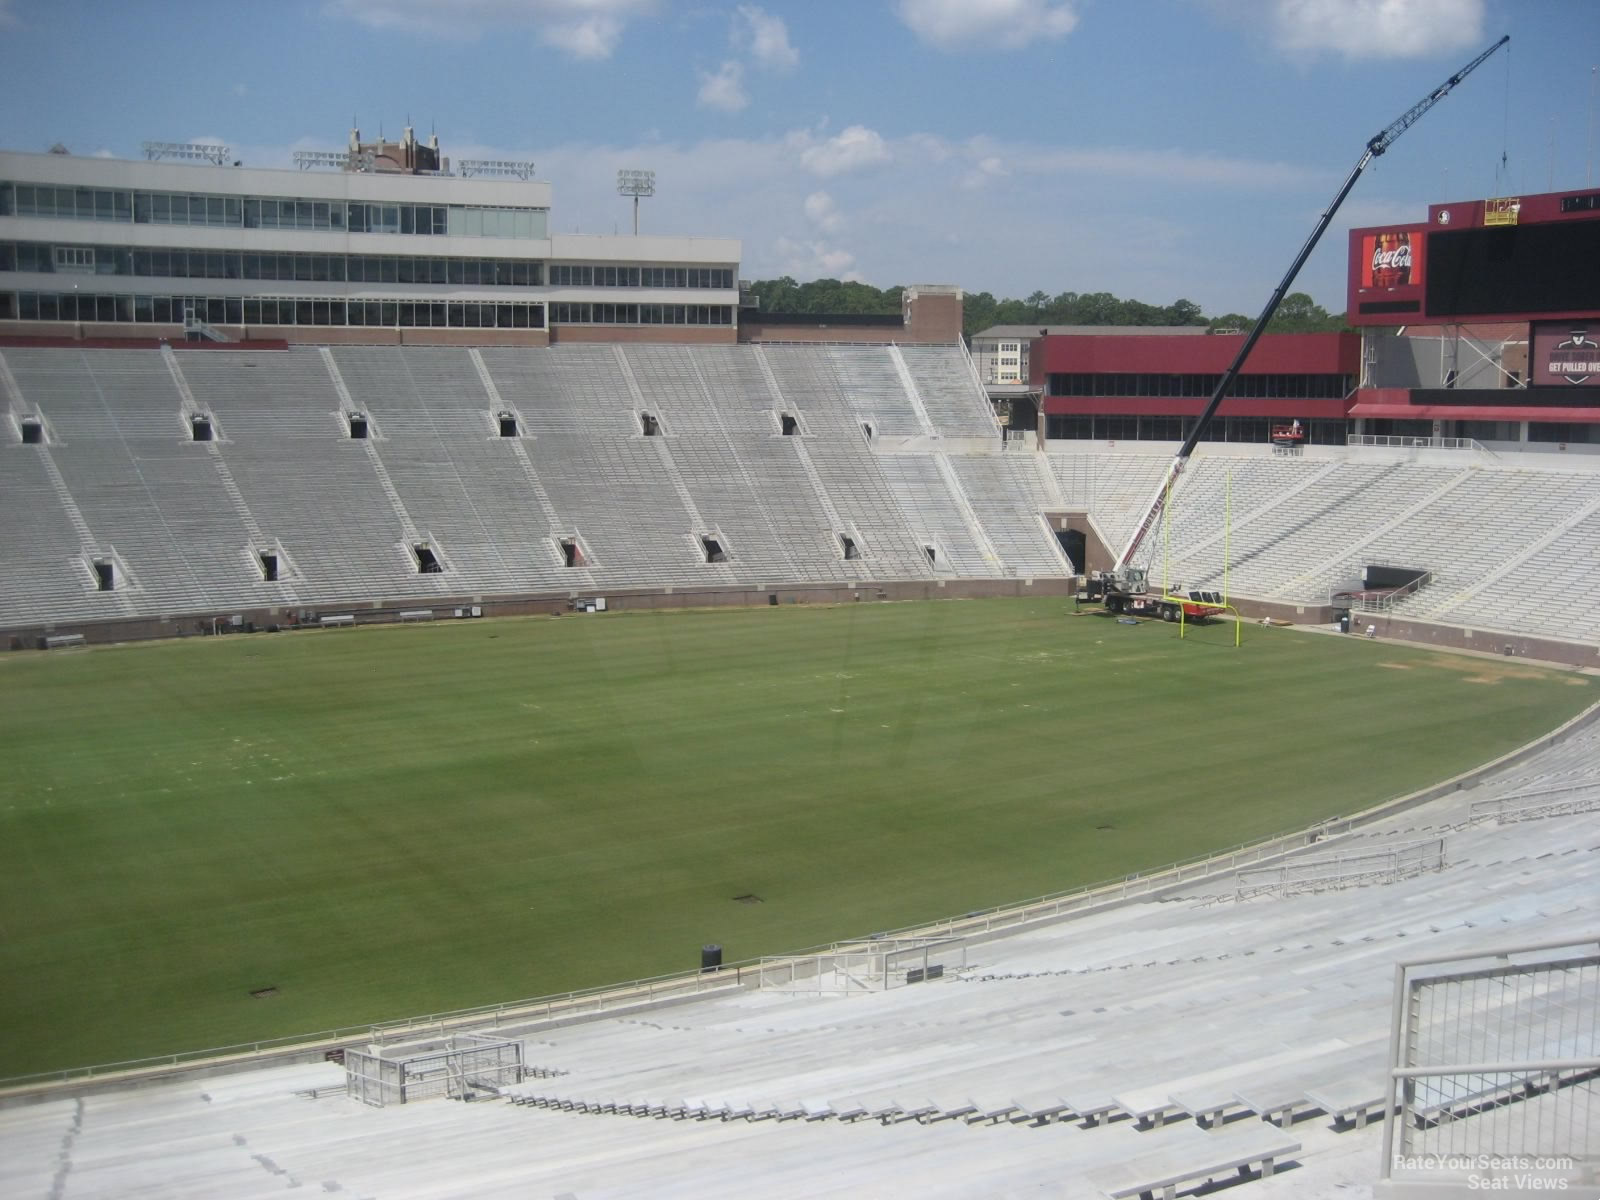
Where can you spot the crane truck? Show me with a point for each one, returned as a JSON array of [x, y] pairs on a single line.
[[1124, 589]]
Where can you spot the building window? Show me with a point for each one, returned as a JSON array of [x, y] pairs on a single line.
[[272, 212], [607, 275], [1269, 386], [579, 313], [1562, 432], [226, 264], [74, 258], [233, 310]]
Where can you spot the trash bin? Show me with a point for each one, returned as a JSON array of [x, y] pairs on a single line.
[[710, 958], [1344, 624]]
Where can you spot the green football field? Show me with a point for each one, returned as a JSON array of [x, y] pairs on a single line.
[[389, 821]]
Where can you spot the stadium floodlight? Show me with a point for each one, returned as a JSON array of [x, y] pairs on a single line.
[[522, 169], [636, 184], [339, 160], [211, 152]]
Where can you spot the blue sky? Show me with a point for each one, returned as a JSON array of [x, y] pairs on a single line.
[[1155, 149]]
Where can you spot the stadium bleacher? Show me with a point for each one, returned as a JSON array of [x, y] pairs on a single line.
[[491, 458]]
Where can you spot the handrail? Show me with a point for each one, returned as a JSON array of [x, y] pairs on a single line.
[[1384, 601], [1415, 443]]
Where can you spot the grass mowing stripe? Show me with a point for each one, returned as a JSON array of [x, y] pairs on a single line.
[[386, 821]]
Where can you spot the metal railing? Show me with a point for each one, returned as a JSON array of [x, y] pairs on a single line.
[[1534, 805], [1356, 601], [1493, 1066], [1362, 868], [877, 965], [1414, 443]]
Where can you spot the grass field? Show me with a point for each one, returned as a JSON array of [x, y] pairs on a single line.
[[390, 821]]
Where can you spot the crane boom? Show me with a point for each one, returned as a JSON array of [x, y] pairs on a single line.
[[1375, 146]]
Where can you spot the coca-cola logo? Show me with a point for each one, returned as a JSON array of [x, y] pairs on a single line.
[[1397, 259]]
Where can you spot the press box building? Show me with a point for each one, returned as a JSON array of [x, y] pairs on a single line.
[[389, 247]]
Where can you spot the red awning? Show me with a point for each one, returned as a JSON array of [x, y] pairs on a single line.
[[1476, 412], [1280, 409]]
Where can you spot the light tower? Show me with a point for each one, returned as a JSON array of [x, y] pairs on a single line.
[[636, 184]]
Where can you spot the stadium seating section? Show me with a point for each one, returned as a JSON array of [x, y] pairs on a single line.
[[592, 468]]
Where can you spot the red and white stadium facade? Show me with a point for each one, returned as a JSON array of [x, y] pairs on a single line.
[[1509, 286], [1529, 265]]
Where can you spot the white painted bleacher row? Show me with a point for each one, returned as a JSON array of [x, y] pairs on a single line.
[[944, 381], [1310, 539], [251, 1136], [1159, 1009], [1550, 592], [1294, 529], [1008, 495]]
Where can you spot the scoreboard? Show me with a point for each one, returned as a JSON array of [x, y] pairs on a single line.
[[1509, 259]]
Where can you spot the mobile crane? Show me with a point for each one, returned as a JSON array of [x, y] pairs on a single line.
[[1125, 588]]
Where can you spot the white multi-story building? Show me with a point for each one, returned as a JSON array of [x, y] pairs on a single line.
[[99, 247]]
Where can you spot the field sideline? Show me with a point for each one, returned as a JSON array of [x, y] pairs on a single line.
[[388, 821]]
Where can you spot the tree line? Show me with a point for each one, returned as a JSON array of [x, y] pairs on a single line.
[[1297, 314]]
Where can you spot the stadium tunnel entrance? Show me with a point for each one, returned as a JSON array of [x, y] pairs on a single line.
[[1080, 542]]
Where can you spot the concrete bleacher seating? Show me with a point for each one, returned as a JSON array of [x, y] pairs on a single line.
[[928, 494], [1509, 547], [122, 476], [1008, 496], [944, 381]]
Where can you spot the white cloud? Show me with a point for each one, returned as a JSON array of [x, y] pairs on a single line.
[[587, 29], [987, 24], [724, 89], [849, 150], [986, 159], [1375, 28], [588, 37], [815, 260], [823, 213], [928, 147], [765, 36], [986, 170]]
